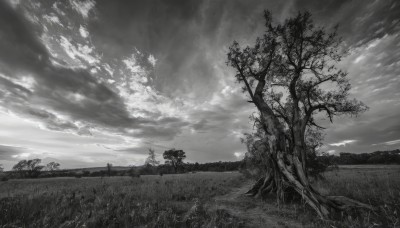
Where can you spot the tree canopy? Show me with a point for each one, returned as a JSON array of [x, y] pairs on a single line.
[[29, 168], [52, 166], [174, 157]]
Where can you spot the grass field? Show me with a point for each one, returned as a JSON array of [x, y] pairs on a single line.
[[377, 185], [153, 201], [178, 200]]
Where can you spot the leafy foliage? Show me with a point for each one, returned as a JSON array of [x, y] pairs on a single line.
[[174, 158], [151, 159], [377, 157], [52, 166], [28, 168]]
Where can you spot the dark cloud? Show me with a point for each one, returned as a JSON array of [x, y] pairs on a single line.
[[6, 152], [20, 48], [183, 35], [71, 92], [167, 30]]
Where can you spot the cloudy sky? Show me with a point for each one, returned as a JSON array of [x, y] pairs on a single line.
[[86, 82]]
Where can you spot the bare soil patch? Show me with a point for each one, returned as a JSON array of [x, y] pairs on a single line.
[[254, 212]]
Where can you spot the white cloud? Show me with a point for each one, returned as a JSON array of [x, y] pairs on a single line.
[[239, 154], [82, 51], [25, 81], [14, 3], [359, 58], [58, 10], [52, 19], [152, 60], [388, 143], [22, 155], [331, 152], [392, 142], [343, 143], [108, 69], [381, 88], [83, 7], [83, 31], [132, 65]]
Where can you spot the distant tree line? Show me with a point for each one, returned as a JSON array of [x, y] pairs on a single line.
[[319, 164], [377, 157], [173, 164], [134, 171]]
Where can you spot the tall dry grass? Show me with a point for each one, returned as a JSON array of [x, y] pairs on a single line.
[[151, 201], [378, 186]]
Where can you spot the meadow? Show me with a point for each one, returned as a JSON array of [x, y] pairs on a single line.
[[185, 200], [377, 185], [148, 201]]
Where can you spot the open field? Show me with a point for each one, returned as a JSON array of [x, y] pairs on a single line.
[[377, 185], [156, 201], [190, 200]]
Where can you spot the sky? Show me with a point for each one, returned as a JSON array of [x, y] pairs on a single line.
[[85, 82]]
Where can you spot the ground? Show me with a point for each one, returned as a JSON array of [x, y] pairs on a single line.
[[256, 213], [204, 199]]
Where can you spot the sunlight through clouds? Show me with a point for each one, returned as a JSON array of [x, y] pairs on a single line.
[[93, 74]]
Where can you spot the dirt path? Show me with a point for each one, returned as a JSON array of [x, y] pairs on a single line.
[[255, 212]]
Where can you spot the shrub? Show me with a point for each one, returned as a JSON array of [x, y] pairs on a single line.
[[134, 173], [5, 178]]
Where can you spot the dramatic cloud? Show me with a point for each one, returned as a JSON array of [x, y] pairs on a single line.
[[90, 82]]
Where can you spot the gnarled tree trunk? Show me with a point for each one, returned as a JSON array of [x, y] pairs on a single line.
[[285, 172]]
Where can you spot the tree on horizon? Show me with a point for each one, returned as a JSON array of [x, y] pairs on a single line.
[[151, 159], [174, 158]]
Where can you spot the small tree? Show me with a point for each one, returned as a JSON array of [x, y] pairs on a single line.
[[29, 168], [20, 167], [151, 159], [109, 166], [52, 166], [174, 157], [2, 178]]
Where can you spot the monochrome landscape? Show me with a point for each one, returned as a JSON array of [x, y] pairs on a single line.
[[189, 113]]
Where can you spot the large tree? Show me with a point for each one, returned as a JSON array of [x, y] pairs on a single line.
[[290, 76]]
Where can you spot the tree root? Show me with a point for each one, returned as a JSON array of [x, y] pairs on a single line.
[[325, 206]]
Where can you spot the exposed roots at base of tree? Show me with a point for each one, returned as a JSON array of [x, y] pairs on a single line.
[[327, 207]]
